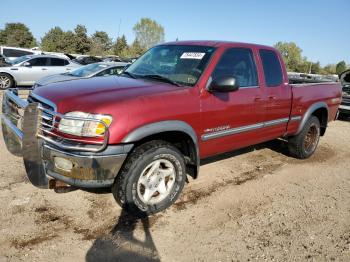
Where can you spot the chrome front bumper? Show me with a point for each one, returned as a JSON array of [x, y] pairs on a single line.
[[90, 168]]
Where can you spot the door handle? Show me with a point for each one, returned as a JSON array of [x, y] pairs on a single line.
[[257, 98], [272, 97], [43, 69]]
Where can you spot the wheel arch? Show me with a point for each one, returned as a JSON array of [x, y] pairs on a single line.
[[320, 110], [176, 132]]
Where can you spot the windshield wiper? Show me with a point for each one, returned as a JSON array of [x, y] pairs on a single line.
[[129, 74], [68, 74], [161, 78]]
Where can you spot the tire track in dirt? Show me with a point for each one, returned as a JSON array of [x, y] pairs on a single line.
[[193, 196]]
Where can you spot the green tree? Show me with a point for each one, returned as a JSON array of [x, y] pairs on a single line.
[[316, 68], [53, 41], [69, 44], [17, 35], [148, 33], [136, 49], [291, 54], [340, 67], [329, 69], [83, 43], [56, 40], [100, 43], [121, 46]]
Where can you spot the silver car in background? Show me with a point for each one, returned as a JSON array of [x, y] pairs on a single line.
[[26, 70], [88, 71]]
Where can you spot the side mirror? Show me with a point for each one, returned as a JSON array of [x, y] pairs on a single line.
[[26, 64], [125, 67], [224, 84]]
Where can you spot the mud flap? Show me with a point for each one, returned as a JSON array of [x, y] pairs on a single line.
[[32, 148]]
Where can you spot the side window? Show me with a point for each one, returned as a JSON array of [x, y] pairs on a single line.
[[272, 68], [116, 70], [41, 61], [58, 62], [106, 72], [15, 53], [239, 63], [111, 71]]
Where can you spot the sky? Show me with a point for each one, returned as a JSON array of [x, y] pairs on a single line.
[[320, 28]]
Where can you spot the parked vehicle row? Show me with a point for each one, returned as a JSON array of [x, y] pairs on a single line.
[[88, 71], [25, 70], [344, 108], [11, 53], [44, 69], [143, 133]]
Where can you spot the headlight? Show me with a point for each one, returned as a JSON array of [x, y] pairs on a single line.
[[88, 128]]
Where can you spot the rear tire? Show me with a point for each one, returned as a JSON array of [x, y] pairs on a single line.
[[6, 81], [151, 179], [304, 144]]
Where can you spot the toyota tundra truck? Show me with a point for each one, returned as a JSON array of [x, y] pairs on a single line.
[[142, 133]]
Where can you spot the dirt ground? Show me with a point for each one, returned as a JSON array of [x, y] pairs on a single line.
[[256, 204]]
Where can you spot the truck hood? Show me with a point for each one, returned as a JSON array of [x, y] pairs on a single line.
[[96, 94]]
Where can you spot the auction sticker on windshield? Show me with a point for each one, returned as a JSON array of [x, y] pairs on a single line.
[[192, 55]]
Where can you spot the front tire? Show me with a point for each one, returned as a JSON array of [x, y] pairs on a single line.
[[304, 144], [6, 81], [151, 179]]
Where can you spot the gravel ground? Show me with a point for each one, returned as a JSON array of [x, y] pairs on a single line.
[[254, 204]]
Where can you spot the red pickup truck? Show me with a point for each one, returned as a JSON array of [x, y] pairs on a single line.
[[143, 132]]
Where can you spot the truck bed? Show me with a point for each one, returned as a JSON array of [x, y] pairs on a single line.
[[304, 95]]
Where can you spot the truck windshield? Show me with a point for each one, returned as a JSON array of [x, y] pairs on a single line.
[[177, 64]]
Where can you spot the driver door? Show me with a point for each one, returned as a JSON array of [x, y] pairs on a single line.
[[232, 120], [36, 69]]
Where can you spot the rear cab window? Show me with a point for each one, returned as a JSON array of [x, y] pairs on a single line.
[[239, 63], [272, 68]]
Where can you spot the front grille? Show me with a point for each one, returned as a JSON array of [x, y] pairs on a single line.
[[345, 101], [47, 119], [346, 89]]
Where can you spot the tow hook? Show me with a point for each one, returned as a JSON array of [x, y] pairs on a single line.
[[60, 187]]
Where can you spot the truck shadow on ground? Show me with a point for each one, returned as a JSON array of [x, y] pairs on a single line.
[[121, 244]]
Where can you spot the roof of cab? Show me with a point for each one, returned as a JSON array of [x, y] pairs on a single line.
[[214, 43]]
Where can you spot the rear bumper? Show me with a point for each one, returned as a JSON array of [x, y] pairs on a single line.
[[88, 169]]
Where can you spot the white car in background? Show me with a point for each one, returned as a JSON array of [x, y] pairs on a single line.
[[88, 71], [26, 70], [12, 53]]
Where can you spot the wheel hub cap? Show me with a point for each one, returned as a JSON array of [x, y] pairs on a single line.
[[311, 138], [156, 181], [4, 82]]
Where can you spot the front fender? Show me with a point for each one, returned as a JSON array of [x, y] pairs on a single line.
[[161, 127]]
